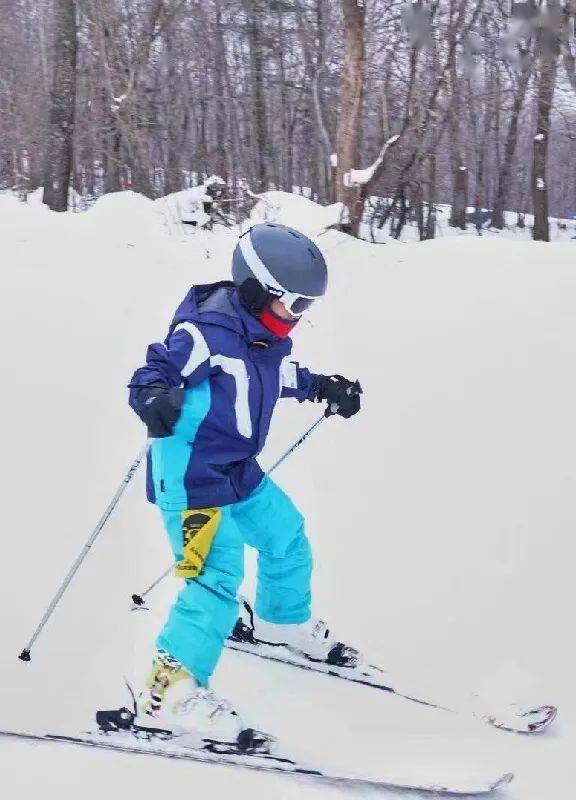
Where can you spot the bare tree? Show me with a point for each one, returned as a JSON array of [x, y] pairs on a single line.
[[457, 149], [549, 49], [264, 92], [253, 9], [505, 171], [62, 106], [349, 118]]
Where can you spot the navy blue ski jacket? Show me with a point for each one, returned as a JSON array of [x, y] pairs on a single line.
[[233, 371]]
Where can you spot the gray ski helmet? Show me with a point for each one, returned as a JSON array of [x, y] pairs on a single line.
[[285, 263]]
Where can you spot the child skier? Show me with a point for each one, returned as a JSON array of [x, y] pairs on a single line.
[[207, 396]]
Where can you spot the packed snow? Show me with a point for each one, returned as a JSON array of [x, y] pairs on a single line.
[[442, 516], [184, 211]]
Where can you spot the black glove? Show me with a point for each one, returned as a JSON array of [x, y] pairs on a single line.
[[160, 408], [342, 395]]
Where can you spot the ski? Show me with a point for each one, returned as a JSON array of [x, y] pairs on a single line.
[[345, 662], [144, 742]]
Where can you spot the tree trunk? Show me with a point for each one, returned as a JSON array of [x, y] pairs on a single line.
[[418, 206], [505, 171], [315, 67], [173, 125], [430, 232], [480, 193], [112, 159], [281, 152], [220, 103], [546, 83], [459, 168], [460, 195], [402, 213], [349, 117], [258, 108], [325, 148], [58, 165]]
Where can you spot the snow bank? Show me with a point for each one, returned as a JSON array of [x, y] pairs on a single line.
[[442, 517], [126, 217], [296, 211], [187, 208]]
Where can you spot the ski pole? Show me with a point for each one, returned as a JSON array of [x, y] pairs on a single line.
[[25, 654], [296, 444], [138, 599]]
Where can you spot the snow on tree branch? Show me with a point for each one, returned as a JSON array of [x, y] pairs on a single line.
[[359, 177]]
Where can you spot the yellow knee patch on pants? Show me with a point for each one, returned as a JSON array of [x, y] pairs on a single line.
[[199, 526]]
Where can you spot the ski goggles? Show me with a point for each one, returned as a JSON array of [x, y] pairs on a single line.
[[295, 303]]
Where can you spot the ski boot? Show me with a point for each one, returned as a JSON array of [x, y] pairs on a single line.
[[311, 640], [174, 706]]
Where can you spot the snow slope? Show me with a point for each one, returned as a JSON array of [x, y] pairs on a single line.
[[442, 517]]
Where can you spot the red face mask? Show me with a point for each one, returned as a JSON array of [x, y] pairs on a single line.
[[275, 324]]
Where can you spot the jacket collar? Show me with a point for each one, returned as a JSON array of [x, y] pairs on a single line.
[[234, 316], [253, 328]]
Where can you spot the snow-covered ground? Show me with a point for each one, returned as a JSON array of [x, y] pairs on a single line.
[[561, 230], [275, 206], [185, 207], [442, 517]]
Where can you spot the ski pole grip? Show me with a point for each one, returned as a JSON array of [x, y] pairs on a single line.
[[331, 409]]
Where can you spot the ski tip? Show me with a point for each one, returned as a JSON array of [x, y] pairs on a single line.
[[530, 721], [503, 781], [544, 716], [25, 655]]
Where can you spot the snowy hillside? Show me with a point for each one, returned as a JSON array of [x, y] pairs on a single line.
[[186, 206], [275, 205], [442, 517]]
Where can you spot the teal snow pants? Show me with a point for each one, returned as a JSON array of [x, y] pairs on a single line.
[[206, 609]]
